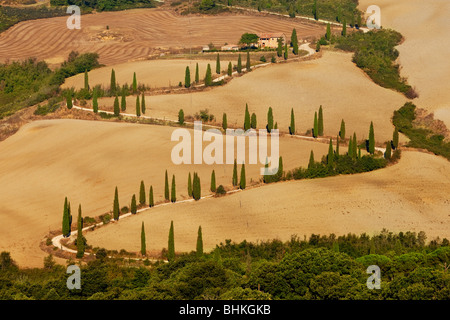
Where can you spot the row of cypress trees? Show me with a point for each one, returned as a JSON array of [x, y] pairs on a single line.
[[242, 181], [171, 242], [67, 226]]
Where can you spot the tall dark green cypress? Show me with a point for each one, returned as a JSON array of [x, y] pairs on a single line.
[[247, 64], [354, 145], [116, 106], [199, 242], [196, 187], [70, 218], [116, 208], [269, 120], [133, 206], [337, 146], [230, 69], [320, 122], [213, 181], [387, 153], [166, 188], [224, 122], [330, 156], [294, 41], [143, 244], [218, 64], [292, 126], [280, 47], [143, 108], [342, 131], [173, 194], [65, 221], [239, 64], [328, 31], [197, 74], [181, 117], [69, 101], [253, 123], [123, 102], [95, 101], [235, 179], [280, 169], [311, 160], [315, 13], [171, 244], [138, 107], [350, 147], [316, 126], [187, 78], [247, 118], [208, 76], [371, 139], [86, 80], [344, 28], [189, 185], [80, 239], [142, 197], [112, 85], [134, 83], [242, 182], [395, 139], [151, 202], [285, 51]]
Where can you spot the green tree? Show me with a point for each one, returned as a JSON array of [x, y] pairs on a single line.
[[371, 149], [317, 46], [294, 41], [142, 199], [235, 179], [65, 221], [354, 145], [80, 238], [350, 147], [292, 126], [224, 122], [344, 28], [196, 187], [253, 122], [134, 83], [116, 106], [311, 160], [342, 131], [143, 244], [280, 47], [197, 74], [187, 78], [171, 247], [242, 182], [190, 185], [208, 76], [328, 31], [138, 107], [123, 102], [218, 64], [69, 101], [239, 64], [387, 153], [247, 64], [316, 126], [151, 202], [116, 208], [337, 146], [285, 51], [248, 39], [173, 195], [133, 206], [166, 188], [143, 104], [314, 12], [181, 117], [94, 101], [279, 174], [230, 69], [247, 118], [330, 157], [213, 181], [112, 85], [320, 122], [199, 242], [395, 139], [86, 80], [269, 120]]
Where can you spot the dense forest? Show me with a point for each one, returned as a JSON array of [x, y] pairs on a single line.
[[321, 267], [106, 5]]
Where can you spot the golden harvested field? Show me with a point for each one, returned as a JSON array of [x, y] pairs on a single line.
[[153, 73], [333, 81], [85, 160], [135, 34], [410, 196], [424, 54]]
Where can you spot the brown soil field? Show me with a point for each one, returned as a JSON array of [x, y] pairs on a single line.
[[425, 51], [409, 196], [48, 160], [153, 73], [333, 81], [136, 34]]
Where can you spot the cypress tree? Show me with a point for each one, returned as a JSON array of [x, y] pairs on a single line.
[[208, 76], [359, 153], [320, 122], [350, 147], [235, 180], [65, 221], [94, 101], [358, 20], [275, 126], [138, 107], [134, 83], [189, 185], [247, 118], [371, 139], [86, 80], [181, 117], [269, 120], [239, 64], [280, 168], [285, 51], [196, 187], [213, 181], [173, 195], [330, 157], [166, 188], [328, 31], [70, 218], [171, 247], [224, 122], [311, 160], [151, 202], [247, 64], [218, 64], [143, 104], [199, 242], [354, 145], [337, 145], [316, 126], [197, 74], [253, 121], [116, 208], [80, 239], [316, 16], [317, 46], [280, 47], [230, 69], [143, 245], [344, 28], [395, 139], [133, 206], [112, 86], [294, 41], [387, 154], [342, 131], [123, 102], [292, 127], [142, 199], [116, 106], [187, 78], [242, 182], [69, 101]]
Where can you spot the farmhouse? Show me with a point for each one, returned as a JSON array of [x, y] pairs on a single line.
[[270, 40]]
